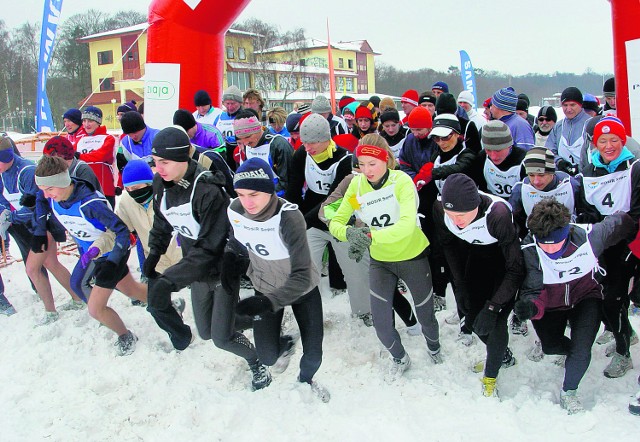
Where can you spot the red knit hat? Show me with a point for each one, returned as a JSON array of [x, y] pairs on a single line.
[[410, 96], [610, 125], [367, 150], [420, 118], [59, 147], [344, 101], [348, 141], [487, 103], [364, 112]]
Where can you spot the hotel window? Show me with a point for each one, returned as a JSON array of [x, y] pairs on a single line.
[[242, 54], [105, 57], [230, 53], [107, 84]]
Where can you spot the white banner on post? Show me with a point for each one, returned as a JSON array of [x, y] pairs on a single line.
[[633, 76], [161, 93]]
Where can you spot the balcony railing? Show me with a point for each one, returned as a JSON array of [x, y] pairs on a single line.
[[128, 74]]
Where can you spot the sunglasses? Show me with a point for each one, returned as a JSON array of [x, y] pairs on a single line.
[[447, 138], [543, 119]]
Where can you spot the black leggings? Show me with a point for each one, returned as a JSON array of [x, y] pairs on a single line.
[[584, 319], [616, 295], [270, 345]]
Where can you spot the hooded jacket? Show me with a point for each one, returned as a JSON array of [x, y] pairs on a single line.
[[201, 257]]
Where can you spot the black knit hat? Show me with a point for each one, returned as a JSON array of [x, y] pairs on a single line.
[[609, 87], [549, 112], [390, 115], [132, 122], [571, 94], [525, 98], [202, 98], [522, 105], [590, 125], [184, 119], [171, 143], [293, 122], [375, 100], [73, 115], [460, 193], [446, 104], [427, 96]]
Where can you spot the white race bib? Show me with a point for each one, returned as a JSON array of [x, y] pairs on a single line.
[[609, 193], [498, 182], [561, 271], [181, 217], [563, 194], [477, 232], [318, 180], [261, 238]]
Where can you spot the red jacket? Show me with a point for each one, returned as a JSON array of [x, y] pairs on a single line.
[[75, 137], [98, 150]]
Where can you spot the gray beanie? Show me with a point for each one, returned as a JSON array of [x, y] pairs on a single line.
[[496, 135], [315, 129], [320, 105], [232, 93]]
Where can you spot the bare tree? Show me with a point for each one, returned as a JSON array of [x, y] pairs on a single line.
[[276, 70]]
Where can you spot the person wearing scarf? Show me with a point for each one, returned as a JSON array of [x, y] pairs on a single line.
[[610, 184]]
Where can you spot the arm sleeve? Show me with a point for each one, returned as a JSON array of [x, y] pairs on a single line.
[[281, 153], [501, 227], [204, 256], [406, 163], [610, 231], [343, 170], [294, 235], [293, 193], [533, 284], [519, 215], [552, 140], [100, 212], [463, 163], [105, 243], [26, 185], [338, 226], [160, 234], [42, 212]]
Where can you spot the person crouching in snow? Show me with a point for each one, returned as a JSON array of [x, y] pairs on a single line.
[[482, 248], [86, 215], [280, 268], [387, 202], [561, 287]]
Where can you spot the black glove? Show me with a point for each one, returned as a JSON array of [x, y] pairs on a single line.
[[568, 167], [149, 266], [233, 266], [525, 309], [77, 155], [486, 320], [118, 190], [28, 201], [254, 306], [39, 243], [159, 292]]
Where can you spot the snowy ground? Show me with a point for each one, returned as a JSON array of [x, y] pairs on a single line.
[[65, 383]]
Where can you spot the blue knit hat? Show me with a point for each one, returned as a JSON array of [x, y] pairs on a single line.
[[441, 86], [92, 113], [254, 174], [73, 115], [137, 172], [505, 99]]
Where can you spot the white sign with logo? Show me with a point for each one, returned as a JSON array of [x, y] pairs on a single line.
[[161, 93]]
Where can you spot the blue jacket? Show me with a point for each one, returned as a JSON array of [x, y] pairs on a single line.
[[141, 150], [94, 208], [20, 178], [521, 131], [415, 153], [208, 137]]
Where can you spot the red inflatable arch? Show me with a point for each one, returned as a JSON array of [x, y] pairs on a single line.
[[191, 33], [624, 15]]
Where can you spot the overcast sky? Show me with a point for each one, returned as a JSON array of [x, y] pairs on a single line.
[[511, 36]]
